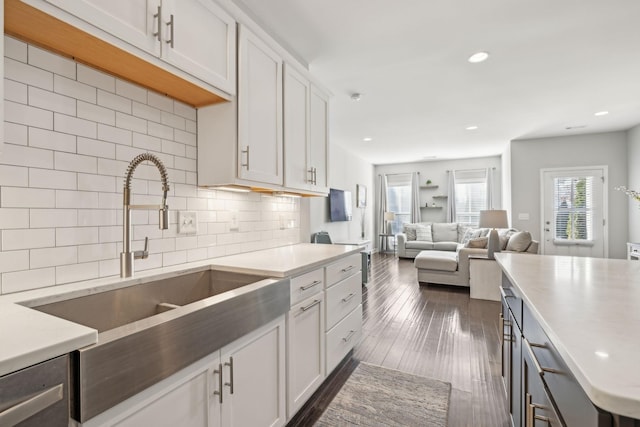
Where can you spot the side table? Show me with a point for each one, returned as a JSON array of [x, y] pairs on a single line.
[[633, 251], [485, 276], [384, 242]]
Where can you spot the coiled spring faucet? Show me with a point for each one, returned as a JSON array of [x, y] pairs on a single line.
[[127, 257]]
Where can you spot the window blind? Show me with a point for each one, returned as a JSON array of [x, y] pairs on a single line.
[[471, 195], [573, 208]]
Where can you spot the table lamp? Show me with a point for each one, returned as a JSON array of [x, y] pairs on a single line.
[[493, 219], [389, 217]]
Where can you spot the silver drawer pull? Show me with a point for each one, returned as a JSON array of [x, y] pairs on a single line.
[[315, 302], [310, 285], [158, 16], [348, 337], [220, 382], [31, 406], [344, 270], [230, 383], [348, 297], [541, 370]]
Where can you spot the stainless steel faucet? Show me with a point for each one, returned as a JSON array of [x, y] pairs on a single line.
[[126, 256]]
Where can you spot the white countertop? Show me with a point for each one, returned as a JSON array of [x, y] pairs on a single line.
[[590, 310], [28, 336]]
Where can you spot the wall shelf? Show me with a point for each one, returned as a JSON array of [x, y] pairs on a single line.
[[428, 187], [442, 196], [430, 207]]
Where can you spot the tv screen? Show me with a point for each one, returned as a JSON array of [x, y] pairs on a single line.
[[339, 205]]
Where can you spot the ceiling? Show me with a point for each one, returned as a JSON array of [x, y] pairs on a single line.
[[552, 65]]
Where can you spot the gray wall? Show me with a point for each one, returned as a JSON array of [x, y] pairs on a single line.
[[633, 137], [345, 171], [529, 156]]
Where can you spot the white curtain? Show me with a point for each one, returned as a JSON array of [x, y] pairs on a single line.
[[490, 195], [415, 198], [451, 197], [382, 206]]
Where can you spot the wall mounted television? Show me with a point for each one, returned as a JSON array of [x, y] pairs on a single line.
[[339, 205]]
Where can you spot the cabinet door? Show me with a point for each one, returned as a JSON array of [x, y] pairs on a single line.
[[505, 339], [305, 344], [296, 130], [539, 409], [132, 21], [319, 139], [254, 378], [259, 110], [200, 39], [515, 375]]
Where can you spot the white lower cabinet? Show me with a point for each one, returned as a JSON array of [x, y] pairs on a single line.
[[305, 345], [252, 383]]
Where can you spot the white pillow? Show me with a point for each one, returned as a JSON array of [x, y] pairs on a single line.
[[423, 233], [519, 242], [410, 231]]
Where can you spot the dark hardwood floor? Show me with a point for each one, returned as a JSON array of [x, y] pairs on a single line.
[[432, 331]]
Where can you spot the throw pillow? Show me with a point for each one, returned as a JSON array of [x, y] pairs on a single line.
[[423, 233], [519, 242], [504, 234], [445, 232], [410, 231], [478, 243]]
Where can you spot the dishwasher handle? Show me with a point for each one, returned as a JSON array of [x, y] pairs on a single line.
[[28, 408]]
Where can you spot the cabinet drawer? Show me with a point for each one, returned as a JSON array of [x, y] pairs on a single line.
[[573, 404], [513, 299], [342, 269], [343, 337], [304, 286], [342, 299]]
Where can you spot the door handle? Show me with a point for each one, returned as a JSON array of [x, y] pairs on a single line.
[[31, 406]]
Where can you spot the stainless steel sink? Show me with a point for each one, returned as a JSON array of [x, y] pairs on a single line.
[[149, 331]]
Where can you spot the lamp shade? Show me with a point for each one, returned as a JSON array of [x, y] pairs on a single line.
[[493, 219], [389, 216]]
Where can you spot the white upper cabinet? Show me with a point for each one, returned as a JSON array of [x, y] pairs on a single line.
[[319, 139], [260, 144], [196, 36]]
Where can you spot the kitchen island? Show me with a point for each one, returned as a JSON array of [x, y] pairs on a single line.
[[588, 309]]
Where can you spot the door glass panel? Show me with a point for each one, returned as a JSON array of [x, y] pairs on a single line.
[[573, 208]]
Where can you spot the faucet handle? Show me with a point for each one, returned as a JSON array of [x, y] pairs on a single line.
[[143, 254]]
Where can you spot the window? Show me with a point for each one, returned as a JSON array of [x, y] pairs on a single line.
[[399, 199], [471, 196], [573, 208]]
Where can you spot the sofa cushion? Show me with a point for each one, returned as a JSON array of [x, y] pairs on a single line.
[[423, 233], [410, 231], [417, 244], [437, 260], [444, 231], [445, 246], [478, 243], [519, 242], [504, 234]]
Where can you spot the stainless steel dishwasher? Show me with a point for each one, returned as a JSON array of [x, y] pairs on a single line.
[[37, 395]]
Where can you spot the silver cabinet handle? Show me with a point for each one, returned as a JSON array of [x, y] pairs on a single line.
[[531, 416], [170, 24], [31, 406], [348, 297], [348, 337], [246, 165], [315, 302], [344, 270], [310, 172], [541, 370], [230, 383], [310, 285], [501, 319], [158, 18], [219, 373]]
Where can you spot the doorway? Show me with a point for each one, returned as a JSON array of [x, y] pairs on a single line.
[[574, 212]]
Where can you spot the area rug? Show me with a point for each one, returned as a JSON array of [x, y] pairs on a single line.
[[377, 396]]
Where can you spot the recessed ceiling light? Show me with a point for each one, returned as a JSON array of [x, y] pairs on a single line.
[[367, 139], [601, 113], [474, 127], [478, 57]]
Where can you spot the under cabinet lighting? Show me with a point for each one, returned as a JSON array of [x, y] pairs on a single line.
[[233, 189], [285, 194]]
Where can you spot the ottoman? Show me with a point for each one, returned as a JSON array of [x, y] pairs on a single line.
[[440, 267]]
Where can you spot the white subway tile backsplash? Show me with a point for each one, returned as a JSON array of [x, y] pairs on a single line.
[[26, 115], [45, 178], [14, 176], [74, 89], [75, 126], [19, 197], [43, 138], [28, 279], [91, 77], [75, 162], [45, 218], [27, 74], [14, 261], [28, 239], [63, 168], [51, 62], [50, 257]]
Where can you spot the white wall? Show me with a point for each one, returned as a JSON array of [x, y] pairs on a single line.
[[70, 132], [505, 163], [345, 171], [633, 182], [529, 156]]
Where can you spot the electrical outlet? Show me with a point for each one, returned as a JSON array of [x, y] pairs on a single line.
[[234, 221], [187, 222]]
